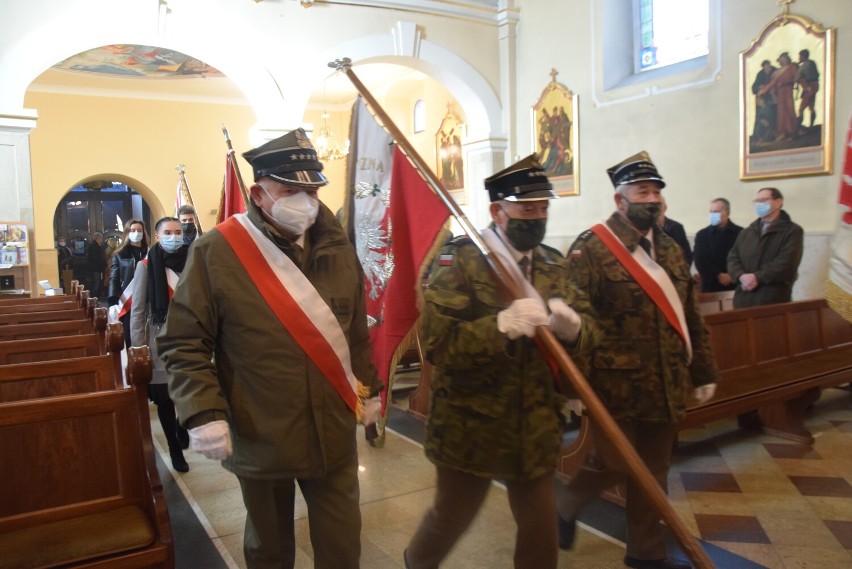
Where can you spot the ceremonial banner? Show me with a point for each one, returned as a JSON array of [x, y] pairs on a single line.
[[838, 291], [183, 196], [394, 223], [231, 200]]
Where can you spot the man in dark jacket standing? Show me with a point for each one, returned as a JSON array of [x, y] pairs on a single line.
[[654, 355], [277, 296], [765, 258], [495, 414], [712, 245], [97, 264]]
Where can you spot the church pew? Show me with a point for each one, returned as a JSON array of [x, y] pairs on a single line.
[[45, 316], [710, 302], [64, 347], [38, 300], [774, 361], [34, 380], [38, 307], [83, 488], [95, 323]]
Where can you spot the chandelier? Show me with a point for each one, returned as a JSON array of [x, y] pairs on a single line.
[[327, 148]]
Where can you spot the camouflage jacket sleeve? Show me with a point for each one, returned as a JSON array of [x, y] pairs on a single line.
[[459, 320]]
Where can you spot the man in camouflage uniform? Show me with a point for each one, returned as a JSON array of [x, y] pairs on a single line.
[[495, 414], [647, 365]]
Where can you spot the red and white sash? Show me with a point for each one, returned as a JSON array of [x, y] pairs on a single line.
[[652, 278], [295, 302], [125, 301]]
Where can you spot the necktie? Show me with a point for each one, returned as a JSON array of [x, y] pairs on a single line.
[[645, 244], [524, 264]]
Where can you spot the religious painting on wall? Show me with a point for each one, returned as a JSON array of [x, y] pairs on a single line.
[[448, 142], [555, 131], [787, 100]]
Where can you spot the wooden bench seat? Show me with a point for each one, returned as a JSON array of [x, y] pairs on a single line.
[[80, 484]]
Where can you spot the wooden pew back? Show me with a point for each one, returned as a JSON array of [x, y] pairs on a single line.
[[97, 323], [43, 316], [63, 347], [83, 471], [38, 300], [34, 380]]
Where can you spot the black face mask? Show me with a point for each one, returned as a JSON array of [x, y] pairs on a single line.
[[189, 232], [526, 234], [643, 216]]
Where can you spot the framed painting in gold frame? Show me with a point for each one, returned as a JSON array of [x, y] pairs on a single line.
[[449, 156], [787, 100], [555, 131]]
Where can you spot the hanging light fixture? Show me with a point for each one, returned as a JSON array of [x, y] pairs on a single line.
[[327, 148]]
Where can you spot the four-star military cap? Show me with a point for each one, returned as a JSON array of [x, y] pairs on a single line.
[[522, 181], [289, 159], [637, 168]]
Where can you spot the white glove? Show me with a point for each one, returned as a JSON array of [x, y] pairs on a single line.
[[112, 313], [564, 322], [704, 393], [372, 408], [522, 317], [212, 439], [575, 406]]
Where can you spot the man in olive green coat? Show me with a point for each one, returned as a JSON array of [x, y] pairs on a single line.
[[653, 356], [275, 295], [495, 414], [764, 260]]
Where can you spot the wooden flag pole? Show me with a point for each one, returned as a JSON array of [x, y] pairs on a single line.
[[233, 158], [187, 193], [546, 340]]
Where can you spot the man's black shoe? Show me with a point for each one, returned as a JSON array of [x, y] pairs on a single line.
[[655, 563], [183, 437], [567, 532]]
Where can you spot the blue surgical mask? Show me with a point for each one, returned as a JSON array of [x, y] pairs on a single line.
[[762, 208], [171, 243], [715, 218]]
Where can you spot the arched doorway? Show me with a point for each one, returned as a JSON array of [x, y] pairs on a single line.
[[100, 206]]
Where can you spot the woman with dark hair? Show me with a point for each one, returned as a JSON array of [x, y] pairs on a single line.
[[152, 288], [133, 248]]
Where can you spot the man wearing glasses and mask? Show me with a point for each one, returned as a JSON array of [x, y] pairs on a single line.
[[765, 257], [495, 413]]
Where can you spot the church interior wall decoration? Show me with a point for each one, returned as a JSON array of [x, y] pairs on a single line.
[[555, 136], [787, 100], [450, 159]]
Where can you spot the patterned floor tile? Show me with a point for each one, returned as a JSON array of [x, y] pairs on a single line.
[[709, 482], [784, 450], [822, 486], [842, 530], [739, 529]]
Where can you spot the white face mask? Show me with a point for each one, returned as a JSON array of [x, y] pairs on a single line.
[[135, 236], [295, 213], [715, 218]]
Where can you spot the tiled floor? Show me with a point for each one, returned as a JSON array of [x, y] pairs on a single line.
[[754, 500]]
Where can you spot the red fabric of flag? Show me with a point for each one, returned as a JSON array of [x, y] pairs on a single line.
[[231, 201], [417, 216], [846, 177]]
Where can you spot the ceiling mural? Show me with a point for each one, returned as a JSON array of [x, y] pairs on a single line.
[[138, 61]]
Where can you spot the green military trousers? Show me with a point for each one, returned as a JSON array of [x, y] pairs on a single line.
[[334, 520]]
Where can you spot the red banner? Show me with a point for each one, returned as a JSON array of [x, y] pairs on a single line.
[[231, 200]]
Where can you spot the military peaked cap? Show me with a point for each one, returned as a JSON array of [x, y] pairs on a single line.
[[637, 168], [522, 181], [289, 159]]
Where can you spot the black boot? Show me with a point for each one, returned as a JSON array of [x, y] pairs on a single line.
[[178, 461], [567, 532], [183, 437]]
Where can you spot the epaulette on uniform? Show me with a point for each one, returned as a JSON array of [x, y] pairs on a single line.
[[575, 251], [457, 242], [550, 249]]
